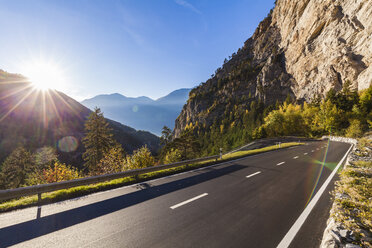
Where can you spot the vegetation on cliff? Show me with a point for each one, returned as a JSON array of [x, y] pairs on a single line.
[[346, 113]]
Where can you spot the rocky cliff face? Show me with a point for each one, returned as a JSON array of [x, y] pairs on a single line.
[[302, 49], [326, 43]]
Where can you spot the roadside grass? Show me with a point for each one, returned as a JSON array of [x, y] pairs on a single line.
[[353, 198], [239, 154], [80, 191]]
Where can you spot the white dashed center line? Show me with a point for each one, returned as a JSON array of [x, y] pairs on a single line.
[[295, 157], [305, 153], [281, 163], [251, 175], [188, 201]]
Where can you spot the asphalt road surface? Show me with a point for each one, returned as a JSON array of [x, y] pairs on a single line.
[[250, 202]]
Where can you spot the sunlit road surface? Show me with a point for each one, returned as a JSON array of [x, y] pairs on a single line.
[[250, 202]]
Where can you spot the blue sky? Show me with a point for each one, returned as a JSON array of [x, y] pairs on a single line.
[[133, 47]]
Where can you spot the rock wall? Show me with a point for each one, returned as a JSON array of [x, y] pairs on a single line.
[[326, 42], [341, 139], [302, 49]]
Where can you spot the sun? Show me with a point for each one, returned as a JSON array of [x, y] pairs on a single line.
[[44, 75]]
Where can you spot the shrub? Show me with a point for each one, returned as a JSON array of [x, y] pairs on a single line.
[[59, 172], [141, 158], [354, 130], [172, 156], [113, 161]]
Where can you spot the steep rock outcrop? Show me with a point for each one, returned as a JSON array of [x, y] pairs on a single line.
[[302, 49], [326, 43]]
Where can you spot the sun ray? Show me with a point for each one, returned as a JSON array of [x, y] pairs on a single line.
[[17, 104], [51, 101], [68, 105], [28, 86], [45, 121]]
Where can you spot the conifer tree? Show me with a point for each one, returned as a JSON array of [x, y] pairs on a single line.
[[16, 167], [97, 141], [166, 135], [188, 145]]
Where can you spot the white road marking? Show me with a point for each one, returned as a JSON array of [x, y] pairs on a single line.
[[281, 163], [286, 241], [170, 176], [312, 150], [317, 149], [305, 153], [251, 175], [295, 157], [188, 201]]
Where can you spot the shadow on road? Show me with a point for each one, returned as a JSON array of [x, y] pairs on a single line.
[[21, 232]]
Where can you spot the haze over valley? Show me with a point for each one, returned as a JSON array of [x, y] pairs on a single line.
[[141, 113]]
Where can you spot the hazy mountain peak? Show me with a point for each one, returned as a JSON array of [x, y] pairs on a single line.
[[175, 97], [141, 112]]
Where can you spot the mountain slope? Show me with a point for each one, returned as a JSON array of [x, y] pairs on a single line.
[[142, 112], [302, 49], [36, 118]]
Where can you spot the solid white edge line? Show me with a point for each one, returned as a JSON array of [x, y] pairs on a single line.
[[286, 241], [280, 163], [188, 201], [251, 175]]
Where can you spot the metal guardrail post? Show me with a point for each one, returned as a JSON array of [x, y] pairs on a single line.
[[221, 153], [38, 206]]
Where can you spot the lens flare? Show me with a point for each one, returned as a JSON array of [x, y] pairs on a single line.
[[323, 164], [135, 108], [68, 144]]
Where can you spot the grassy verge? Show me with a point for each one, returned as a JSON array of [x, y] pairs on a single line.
[[353, 194], [88, 189]]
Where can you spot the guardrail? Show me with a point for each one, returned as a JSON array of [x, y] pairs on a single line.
[[44, 188], [341, 139]]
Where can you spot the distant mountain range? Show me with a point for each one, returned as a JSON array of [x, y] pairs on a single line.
[[141, 113], [35, 119]]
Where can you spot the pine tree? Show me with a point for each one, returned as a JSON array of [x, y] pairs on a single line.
[[166, 135], [16, 167], [188, 145], [98, 140], [44, 157]]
